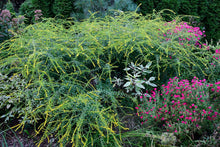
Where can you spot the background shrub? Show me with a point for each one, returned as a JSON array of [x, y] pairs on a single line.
[[207, 10], [27, 9], [9, 6], [63, 8], [45, 6]]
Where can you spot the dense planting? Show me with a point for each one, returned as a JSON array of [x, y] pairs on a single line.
[[182, 107], [57, 76]]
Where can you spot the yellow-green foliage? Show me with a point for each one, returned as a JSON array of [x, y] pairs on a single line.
[[62, 64]]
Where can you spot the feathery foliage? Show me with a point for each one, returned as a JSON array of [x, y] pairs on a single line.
[[64, 68]]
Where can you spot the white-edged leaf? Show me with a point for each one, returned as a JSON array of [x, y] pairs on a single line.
[[140, 85], [152, 84], [127, 84], [148, 65], [151, 79], [127, 69]]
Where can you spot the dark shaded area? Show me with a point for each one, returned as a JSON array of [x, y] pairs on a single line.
[[2, 3], [16, 4]]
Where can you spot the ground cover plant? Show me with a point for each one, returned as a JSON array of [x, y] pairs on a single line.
[[65, 70], [183, 107]]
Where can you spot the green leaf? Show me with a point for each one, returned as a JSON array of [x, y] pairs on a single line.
[[140, 85], [151, 79], [127, 69], [148, 65], [153, 85], [127, 84]]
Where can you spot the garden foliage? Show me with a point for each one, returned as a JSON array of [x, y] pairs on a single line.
[[10, 25], [65, 70], [207, 10], [182, 107]]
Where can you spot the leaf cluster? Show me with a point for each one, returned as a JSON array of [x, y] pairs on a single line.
[[136, 81]]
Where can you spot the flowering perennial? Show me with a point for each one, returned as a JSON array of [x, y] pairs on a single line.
[[181, 106]]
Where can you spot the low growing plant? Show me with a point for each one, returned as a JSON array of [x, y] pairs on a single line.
[[182, 107]]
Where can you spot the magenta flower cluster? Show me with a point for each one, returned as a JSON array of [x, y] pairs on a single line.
[[188, 35], [216, 56], [181, 106]]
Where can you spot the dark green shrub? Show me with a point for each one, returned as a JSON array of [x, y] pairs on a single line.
[[45, 6], [27, 9], [63, 7], [2, 4], [9, 6]]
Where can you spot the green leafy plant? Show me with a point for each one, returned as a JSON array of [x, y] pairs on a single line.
[[27, 9], [63, 7], [10, 26], [136, 81], [45, 5], [9, 6], [213, 69], [64, 68]]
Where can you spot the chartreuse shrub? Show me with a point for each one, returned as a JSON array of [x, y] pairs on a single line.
[[214, 63], [65, 67]]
